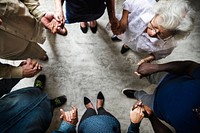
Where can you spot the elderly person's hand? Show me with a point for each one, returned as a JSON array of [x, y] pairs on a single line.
[[52, 22], [147, 59], [30, 68], [70, 116], [136, 115]]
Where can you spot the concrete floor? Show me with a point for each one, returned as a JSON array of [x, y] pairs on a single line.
[[83, 64]]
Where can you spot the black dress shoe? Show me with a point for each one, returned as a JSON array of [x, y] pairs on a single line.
[[114, 38], [86, 100], [100, 96], [129, 93], [100, 100], [84, 29], [40, 82], [124, 49], [58, 101], [94, 29]]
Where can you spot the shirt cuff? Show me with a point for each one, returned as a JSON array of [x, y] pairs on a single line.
[[134, 127], [66, 127]]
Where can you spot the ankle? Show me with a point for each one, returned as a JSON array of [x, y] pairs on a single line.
[[83, 24], [100, 103]]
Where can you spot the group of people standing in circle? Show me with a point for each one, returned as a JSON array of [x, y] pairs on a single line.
[[145, 26]]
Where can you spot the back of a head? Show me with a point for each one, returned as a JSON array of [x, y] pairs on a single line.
[[177, 15]]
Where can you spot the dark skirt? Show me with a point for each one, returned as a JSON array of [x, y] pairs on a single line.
[[84, 10]]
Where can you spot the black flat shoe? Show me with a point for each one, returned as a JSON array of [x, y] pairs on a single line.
[[100, 100], [86, 101], [114, 38], [94, 29], [100, 96], [124, 49], [40, 82], [84, 29]]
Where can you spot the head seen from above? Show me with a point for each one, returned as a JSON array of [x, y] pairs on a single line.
[[174, 18]]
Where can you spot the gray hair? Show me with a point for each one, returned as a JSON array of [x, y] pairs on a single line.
[[177, 15]]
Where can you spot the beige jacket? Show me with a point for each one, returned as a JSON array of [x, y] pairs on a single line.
[[21, 25]]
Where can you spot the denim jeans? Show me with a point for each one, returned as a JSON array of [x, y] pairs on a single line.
[[25, 110], [90, 112]]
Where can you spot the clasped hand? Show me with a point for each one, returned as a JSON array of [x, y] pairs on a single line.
[[70, 116]]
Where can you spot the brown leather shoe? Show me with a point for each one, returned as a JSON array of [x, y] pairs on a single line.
[[45, 58], [62, 30]]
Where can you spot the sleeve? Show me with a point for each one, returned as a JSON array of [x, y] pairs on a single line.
[[134, 128], [35, 8], [162, 53], [8, 71], [165, 48], [128, 5], [66, 128]]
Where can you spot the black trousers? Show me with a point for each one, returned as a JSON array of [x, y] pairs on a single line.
[[6, 85], [90, 112]]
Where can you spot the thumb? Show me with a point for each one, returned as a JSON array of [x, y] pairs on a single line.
[[138, 74]]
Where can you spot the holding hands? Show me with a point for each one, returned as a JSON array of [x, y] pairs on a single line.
[[119, 27], [139, 111], [136, 113], [70, 116], [146, 69], [30, 68], [54, 23]]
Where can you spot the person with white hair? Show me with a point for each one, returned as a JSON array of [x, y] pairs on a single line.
[[154, 27]]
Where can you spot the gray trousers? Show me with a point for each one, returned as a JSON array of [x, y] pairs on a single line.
[[148, 99]]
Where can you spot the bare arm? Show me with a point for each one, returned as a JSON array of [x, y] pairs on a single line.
[[176, 67], [158, 126], [122, 24], [59, 10], [111, 14]]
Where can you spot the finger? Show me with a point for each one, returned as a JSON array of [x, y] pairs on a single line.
[[62, 112], [40, 67], [140, 62], [35, 67], [23, 63], [68, 116], [138, 74], [28, 61], [61, 117]]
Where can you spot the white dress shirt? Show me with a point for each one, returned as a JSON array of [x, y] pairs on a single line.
[[140, 14]]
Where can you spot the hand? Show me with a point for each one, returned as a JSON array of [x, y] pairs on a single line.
[[119, 28], [146, 110], [51, 22], [70, 116], [60, 17], [30, 68], [114, 24], [146, 69], [137, 114], [147, 59]]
